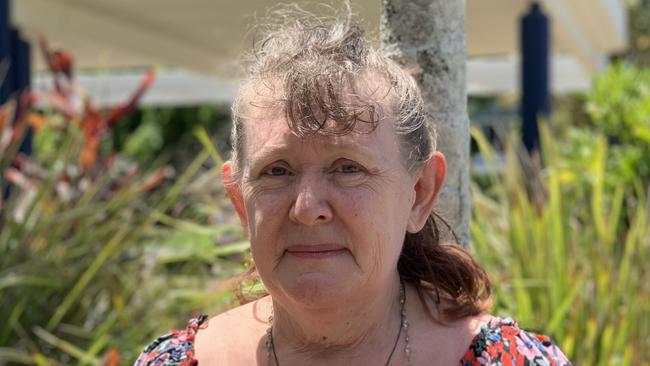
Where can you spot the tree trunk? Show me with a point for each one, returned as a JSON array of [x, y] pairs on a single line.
[[429, 36]]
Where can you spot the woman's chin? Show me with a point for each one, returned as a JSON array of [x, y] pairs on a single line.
[[317, 289]]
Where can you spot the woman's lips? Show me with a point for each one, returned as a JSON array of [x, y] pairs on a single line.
[[317, 251]]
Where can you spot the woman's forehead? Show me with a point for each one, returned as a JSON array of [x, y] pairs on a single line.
[[323, 146], [274, 127]]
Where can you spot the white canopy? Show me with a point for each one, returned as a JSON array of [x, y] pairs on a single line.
[[201, 39]]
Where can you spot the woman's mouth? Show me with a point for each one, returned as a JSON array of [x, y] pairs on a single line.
[[317, 251]]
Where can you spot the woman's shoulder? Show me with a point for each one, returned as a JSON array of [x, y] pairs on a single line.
[[501, 342], [234, 336], [227, 331], [175, 348]]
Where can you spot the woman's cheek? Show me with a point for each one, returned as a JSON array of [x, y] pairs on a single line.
[[268, 208]]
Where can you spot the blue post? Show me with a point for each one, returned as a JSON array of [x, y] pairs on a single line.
[[5, 50], [22, 61], [535, 96], [22, 80], [4, 59], [9, 82], [14, 71]]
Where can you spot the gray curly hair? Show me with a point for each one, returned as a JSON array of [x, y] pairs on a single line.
[[317, 72]]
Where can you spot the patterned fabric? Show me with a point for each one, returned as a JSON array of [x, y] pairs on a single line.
[[173, 349], [502, 343], [499, 343]]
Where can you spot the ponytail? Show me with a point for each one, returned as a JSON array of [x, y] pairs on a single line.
[[447, 271]]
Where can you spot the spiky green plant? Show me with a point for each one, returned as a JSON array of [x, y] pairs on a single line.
[[96, 263], [568, 254]]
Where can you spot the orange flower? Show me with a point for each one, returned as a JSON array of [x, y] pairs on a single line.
[[92, 128], [113, 358]]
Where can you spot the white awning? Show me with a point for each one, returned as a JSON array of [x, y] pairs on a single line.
[[201, 39]]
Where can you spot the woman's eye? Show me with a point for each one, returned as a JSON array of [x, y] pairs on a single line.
[[276, 171], [349, 169]]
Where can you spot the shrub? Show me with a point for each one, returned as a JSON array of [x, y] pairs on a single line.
[[619, 108]]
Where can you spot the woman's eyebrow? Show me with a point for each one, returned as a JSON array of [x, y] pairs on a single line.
[[266, 155], [268, 151]]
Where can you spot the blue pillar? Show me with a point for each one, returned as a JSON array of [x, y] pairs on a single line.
[[5, 50], [22, 61], [14, 71], [4, 59], [22, 80], [9, 82], [535, 96]]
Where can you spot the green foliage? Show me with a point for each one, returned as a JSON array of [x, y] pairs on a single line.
[[567, 247], [619, 108], [152, 132], [96, 263], [638, 48]]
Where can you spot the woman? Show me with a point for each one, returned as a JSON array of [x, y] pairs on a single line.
[[334, 175]]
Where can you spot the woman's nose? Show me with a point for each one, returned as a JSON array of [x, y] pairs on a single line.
[[311, 206]]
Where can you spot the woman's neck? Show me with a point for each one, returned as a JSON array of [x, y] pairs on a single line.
[[367, 326]]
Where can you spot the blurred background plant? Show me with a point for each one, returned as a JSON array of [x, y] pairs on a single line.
[[617, 107], [83, 227], [153, 132], [565, 236], [568, 260]]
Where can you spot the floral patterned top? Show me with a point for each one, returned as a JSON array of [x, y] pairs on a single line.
[[500, 342]]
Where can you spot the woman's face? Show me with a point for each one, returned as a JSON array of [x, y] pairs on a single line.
[[326, 216]]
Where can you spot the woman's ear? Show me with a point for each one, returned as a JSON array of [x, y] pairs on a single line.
[[428, 185], [233, 189]]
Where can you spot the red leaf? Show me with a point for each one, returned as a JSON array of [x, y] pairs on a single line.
[[121, 111]]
